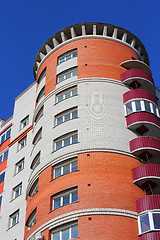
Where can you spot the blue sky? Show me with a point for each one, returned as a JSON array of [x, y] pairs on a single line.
[[26, 25]]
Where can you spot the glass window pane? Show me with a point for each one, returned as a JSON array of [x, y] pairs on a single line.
[[147, 106], [57, 172], [74, 114], [59, 120], [68, 57], [138, 106], [60, 98], [129, 108], [74, 92], [75, 54], [156, 220], [66, 141], [0, 200], [58, 145], [74, 231], [61, 60], [154, 110], [66, 200], [2, 138], [2, 176], [65, 234], [57, 202], [66, 169], [56, 236], [5, 155], [67, 116], [144, 221], [1, 158], [8, 133], [60, 78], [75, 139], [75, 196], [74, 166], [74, 73], [68, 75], [67, 95]]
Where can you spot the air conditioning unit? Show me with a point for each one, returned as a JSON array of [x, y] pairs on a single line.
[[38, 236]]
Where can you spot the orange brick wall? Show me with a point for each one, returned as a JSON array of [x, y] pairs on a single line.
[[110, 179], [103, 58]]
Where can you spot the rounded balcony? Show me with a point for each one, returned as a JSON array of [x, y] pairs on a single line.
[[148, 203], [137, 78], [145, 145], [136, 64], [140, 94], [144, 122], [147, 177], [150, 236]]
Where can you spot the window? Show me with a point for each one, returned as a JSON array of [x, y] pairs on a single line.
[[37, 137], [22, 143], [67, 167], [65, 233], [147, 106], [19, 166], [66, 94], [2, 176], [65, 116], [6, 135], [68, 74], [17, 191], [31, 219], [66, 140], [36, 161], [149, 222], [34, 189], [65, 198], [41, 94], [24, 122], [129, 108], [39, 115], [14, 219], [42, 75], [67, 56], [3, 156]]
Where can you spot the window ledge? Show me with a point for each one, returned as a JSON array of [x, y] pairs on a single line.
[[15, 198], [63, 175], [64, 147], [62, 206], [65, 99], [64, 122], [11, 227]]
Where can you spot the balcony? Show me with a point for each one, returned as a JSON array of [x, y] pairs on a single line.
[[145, 145], [148, 203], [150, 236], [147, 177], [137, 78], [140, 94], [132, 64], [144, 122]]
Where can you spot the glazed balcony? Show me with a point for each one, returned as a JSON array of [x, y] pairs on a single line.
[[140, 94], [148, 203], [144, 122], [137, 78], [147, 177], [149, 145]]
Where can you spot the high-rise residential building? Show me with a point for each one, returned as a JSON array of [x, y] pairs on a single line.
[[80, 157]]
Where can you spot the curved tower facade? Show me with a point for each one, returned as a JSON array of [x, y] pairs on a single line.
[[93, 143]]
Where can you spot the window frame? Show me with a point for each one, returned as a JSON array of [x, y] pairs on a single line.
[[64, 113], [61, 166], [20, 145], [11, 218], [17, 166], [41, 76], [34, 188], [3, 177], [35, 160], [5, 136], [37, 137], [14, 191], [24, 120], [63, 94], [31, 221], [2, 155], [62, 139], [40, 95], [151, 222], [63, 76], [66, 54], [39, 114], [64, 227]]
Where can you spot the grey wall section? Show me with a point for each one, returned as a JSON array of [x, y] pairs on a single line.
[[24, 106]]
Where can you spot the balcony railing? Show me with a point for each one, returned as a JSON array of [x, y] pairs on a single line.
[[148, 203], [150, 236], [138, 93], [136, 74]]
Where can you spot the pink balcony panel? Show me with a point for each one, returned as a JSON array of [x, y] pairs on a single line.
[[135, 74], [144, 143], [146, 170], [142, 117], [148, 203], [138, 93], [150, 236]]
